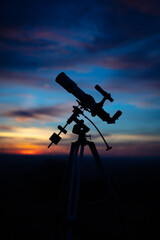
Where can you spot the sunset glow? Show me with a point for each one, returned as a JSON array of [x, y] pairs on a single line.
[[114, 44]]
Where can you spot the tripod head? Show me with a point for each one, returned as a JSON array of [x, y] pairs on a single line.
[[55, 138], [79, 128]]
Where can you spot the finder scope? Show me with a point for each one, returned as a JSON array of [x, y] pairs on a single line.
[[87, 101]]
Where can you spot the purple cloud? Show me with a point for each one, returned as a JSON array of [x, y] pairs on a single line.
[[37, 113]]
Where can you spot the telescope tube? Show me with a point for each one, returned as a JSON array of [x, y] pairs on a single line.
[[86, 100]]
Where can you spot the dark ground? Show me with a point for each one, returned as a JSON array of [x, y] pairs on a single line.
[[30, 187]]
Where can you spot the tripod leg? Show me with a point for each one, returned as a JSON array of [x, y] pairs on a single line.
[[98, 161], [77, 184], [65, 183], [74, 191], [105, 176], [110, 187], [64, 194], [72, 181]]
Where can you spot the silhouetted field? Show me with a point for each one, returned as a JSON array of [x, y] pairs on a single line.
[[29, 195]]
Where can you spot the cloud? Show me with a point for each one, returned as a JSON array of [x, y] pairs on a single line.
[[41, 113], [46, 48], [111, 35], [31, 140], [131, 138], [117, 41], [34, 140], [6, 128], [24, 77], [153, 103], [61, 13], [146, 6]]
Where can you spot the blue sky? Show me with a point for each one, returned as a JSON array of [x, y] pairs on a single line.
[[111, 43]]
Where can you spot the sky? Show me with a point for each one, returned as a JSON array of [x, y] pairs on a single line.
[[112, 43]]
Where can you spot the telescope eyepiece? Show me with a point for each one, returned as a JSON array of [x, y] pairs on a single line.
[[117, 115]]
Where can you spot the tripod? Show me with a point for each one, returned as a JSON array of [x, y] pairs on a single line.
[[68, 204]]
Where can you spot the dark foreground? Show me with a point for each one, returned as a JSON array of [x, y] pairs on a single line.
[[30, 187]]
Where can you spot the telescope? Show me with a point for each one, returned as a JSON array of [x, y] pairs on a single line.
[[86, 101], [68, 201]]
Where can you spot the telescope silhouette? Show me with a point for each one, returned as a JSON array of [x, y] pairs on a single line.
[[69, 197]]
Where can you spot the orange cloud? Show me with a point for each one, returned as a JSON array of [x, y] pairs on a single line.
[[30, 141], [36, 140]]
